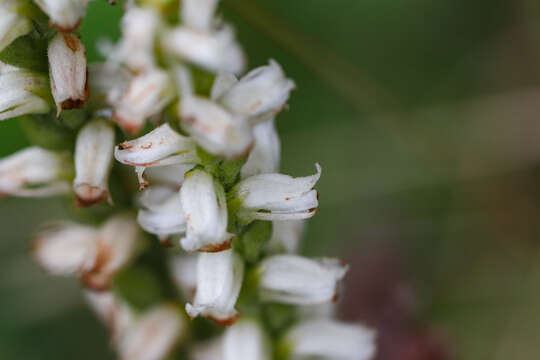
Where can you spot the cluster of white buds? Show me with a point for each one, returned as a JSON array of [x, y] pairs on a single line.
[[209, 183]]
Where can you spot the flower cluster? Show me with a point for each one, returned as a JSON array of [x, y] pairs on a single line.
[[171, 103]]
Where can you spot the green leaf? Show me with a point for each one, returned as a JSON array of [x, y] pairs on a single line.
[[27, 52]]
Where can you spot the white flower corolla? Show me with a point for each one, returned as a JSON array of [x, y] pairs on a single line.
[[264, 158], [286, 236], [23, 92], [34, 172], [183, 270], [204, 204], [110, 310], [297, 280], [66, 248], [276, 197], [219, 279], [161, 213], [198, 14], [107, 83], [118, 241], [93, 161], [139, 30], [215, 50], [330, 340], [65, 15], [67, 70], [261, 93], [245, 340], [171, 175], [153, 335], [146, 95], [160, 147], [217, 130], [12, 23]]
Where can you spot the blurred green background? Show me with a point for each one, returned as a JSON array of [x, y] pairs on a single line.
[[425, 117]]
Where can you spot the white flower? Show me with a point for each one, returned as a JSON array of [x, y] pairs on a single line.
[[117, 244], [213, 50], [12, 23], [263, 92], [93, 160], [161, 212], [214, 128], [183, 270], [112, 311], [154, 335], [139, 30], [65, 14], [162, 146], [67, 69], [23, 92], [277, 197], [171, 175], [198, 14], [330, 340], [147, 94], [34, 172], [66, 248], [265, 156], [204, 204], [297, 280], [219, 279], [286, 235], [245, 340]]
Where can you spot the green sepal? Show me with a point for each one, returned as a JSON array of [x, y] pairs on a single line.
[[278, 317], [27, 52], [251, 241], [229, 171], [248, 300]]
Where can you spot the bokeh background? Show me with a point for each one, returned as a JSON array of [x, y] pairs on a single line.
[[425, 116]]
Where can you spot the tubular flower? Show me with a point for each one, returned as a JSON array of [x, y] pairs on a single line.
[[276, 197], [262, 93], [198, 14], [328, 339], [153, 335], [297, 280], [184, 273], [160, 147], [93, 161], [161, 212], [65, 15], [205, 208], [23, 92], [219, 279], [245, 340], [12, 23], [147, 94], [67, 68], [34, 172]]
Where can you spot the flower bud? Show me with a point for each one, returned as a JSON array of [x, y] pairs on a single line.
[[12, 23], [147, 94], [117, 244], [297, 280], [277, 197], [154, 335], [214, 128], [245, 340], [286, 236], [65, 15], [93, 160], [265, 156], [22, 92], [162, 146], [67, 68], [183, 270], [162, 212], [198, 14], [328, 339], [212, 50], [34, 172], [263, 92], [204, 204], [66, 248], [219, 279]]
